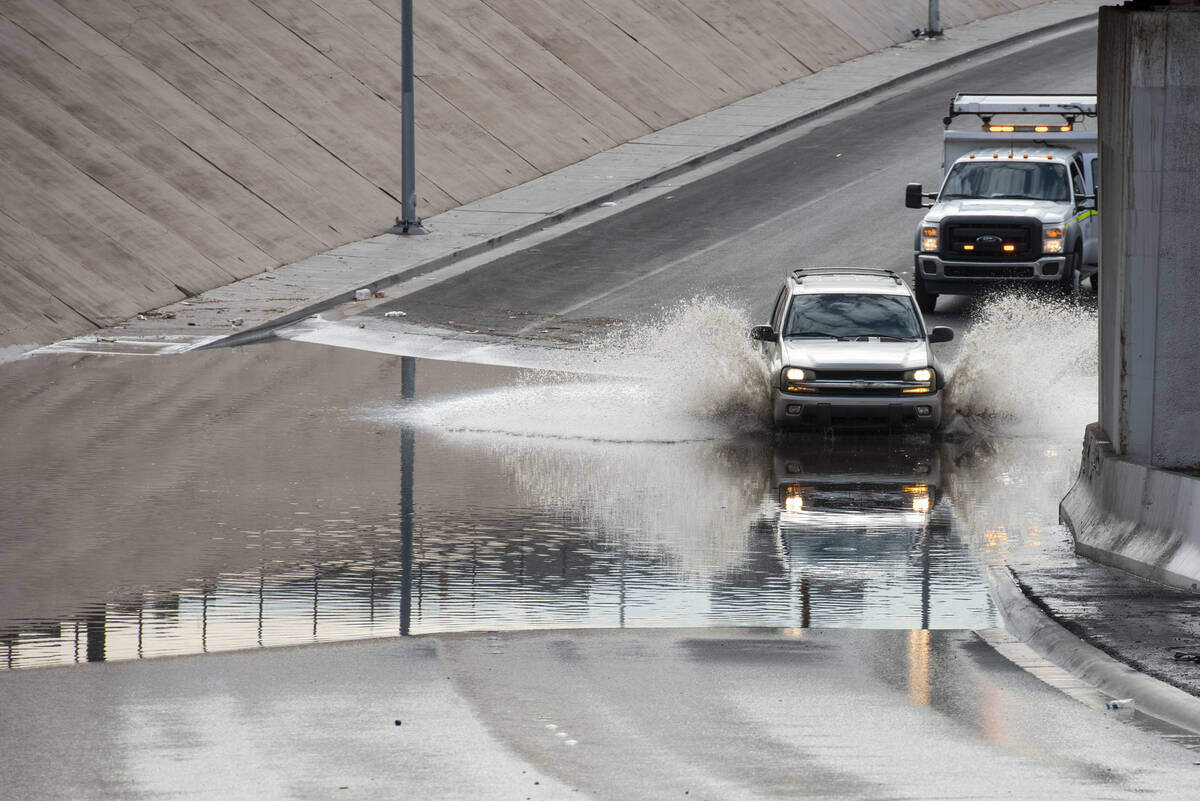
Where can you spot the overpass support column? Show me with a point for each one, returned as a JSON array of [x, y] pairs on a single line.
[[1132, 506], [1148, 96]]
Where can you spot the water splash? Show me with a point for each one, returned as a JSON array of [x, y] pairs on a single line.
[[691, 375], [1028, 366]]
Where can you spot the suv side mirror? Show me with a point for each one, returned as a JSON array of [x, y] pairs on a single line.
[[763, 333], [941, 333], [913, 198]]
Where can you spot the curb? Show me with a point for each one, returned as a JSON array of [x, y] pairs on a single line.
[[1036, 629], [266, 329]]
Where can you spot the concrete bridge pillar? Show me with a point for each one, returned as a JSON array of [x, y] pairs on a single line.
[[1148, 93], [1136, 504]]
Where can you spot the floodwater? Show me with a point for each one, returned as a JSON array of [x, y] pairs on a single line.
[[288, 493]]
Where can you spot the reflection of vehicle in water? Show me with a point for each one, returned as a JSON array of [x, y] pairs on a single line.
[[860, 531]]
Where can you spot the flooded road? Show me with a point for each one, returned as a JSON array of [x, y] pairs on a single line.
[[379, 495]]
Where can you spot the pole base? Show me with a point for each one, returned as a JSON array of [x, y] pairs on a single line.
[[407, 227]]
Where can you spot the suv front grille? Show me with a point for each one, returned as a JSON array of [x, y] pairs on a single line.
[[865, 375], [861, 383]]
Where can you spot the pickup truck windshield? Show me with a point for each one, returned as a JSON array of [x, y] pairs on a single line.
[[852, 316], [1007, 179]]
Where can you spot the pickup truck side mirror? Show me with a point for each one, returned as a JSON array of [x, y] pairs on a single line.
[[763, 333], [914, 198], [941, 333], [1085, 201]]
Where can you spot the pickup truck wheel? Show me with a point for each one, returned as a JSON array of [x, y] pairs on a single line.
[[926, 300], [1072, 277]]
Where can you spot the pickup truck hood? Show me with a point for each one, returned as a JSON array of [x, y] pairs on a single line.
[[1045, 211], [828, 354]]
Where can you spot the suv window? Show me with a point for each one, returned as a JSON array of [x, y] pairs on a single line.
[[780, 307], [848, 316]]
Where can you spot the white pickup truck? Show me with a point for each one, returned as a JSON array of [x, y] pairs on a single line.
[[1017, 202]]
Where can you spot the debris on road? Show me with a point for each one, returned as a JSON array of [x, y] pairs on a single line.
[[362, 294], [395, 314]]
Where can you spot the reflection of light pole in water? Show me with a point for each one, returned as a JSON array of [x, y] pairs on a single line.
[[805, 604], [621, 581], [316, 593], [262, 580], [95, 636], [925, 578], [408, 382]]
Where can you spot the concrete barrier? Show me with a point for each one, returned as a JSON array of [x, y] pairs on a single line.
[[1138, 518], [158, 149]]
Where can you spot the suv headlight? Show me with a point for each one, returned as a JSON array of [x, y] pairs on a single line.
[[1052, 239], [920, 381], [929, 239], [794, 379]]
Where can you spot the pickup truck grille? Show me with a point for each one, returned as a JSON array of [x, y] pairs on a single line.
[[983, 239]]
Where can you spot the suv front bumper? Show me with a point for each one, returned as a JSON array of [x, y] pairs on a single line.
[[967, 277], [818, 411]]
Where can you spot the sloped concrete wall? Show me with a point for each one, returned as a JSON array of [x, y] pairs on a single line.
[[154, 148]]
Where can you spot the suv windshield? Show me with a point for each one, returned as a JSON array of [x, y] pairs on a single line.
[[851, 316], [1006, 179]]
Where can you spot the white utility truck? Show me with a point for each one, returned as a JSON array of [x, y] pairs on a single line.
[[1017, 203]]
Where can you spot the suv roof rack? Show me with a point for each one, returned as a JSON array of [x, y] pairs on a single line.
[[808, 272]]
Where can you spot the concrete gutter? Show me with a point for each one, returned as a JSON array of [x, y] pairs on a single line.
[[1135, 517], [1037, 629], [249, 310]]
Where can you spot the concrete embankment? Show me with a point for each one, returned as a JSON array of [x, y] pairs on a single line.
[[156, 150], [1135, 517]]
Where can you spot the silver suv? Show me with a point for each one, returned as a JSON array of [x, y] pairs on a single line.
[[848, 346]]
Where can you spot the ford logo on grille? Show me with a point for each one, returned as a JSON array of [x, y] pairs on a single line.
[[988, 241]]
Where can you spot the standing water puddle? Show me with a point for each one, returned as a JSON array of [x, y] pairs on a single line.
[[186, 514]]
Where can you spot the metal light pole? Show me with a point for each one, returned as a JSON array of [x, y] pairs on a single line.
[[408, 172], [935, 25]]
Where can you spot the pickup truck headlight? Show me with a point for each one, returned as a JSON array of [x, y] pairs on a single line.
[[1052, 240], [929, 239], [921, 381]]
